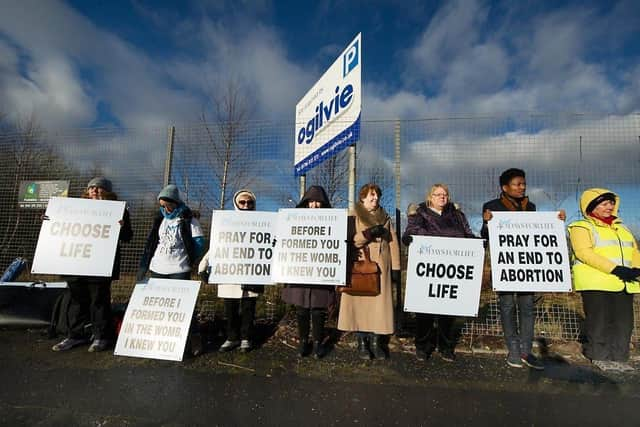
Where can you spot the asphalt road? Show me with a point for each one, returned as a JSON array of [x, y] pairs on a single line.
[[271, 386]]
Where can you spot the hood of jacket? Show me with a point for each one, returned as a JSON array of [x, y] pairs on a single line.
[[245, 192], [590, 194], [315, 193]]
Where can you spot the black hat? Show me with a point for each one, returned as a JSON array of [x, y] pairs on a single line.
[[601, 198]]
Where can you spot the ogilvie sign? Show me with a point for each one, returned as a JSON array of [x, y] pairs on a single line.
[[328, 116]]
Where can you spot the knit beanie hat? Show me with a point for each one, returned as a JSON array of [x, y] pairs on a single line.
[[170, 193], [100, 181]]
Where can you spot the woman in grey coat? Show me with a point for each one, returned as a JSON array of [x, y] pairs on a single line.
[[311, 301]]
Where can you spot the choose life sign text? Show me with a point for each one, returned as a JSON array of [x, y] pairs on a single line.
[[156, 323], [241, 247], [328, 116], [79, 237], [529, 252], [444, 275], [311, 247]]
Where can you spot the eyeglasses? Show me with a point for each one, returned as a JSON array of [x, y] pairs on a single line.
[[439, 195], [245, 202]]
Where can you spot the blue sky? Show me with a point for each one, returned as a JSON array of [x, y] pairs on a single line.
[[144, 64]]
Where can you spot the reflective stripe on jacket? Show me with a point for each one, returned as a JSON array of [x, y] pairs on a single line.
[[616, 244]]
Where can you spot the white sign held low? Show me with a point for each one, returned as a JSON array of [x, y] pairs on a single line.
[[156, 323], [241, 247], [444, 275], [529, 252], [79, 237], [311, 247]]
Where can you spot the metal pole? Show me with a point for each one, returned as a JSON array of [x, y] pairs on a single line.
[[352, 175], [303, 185], [396, 141], [171, 135], [399, 299]]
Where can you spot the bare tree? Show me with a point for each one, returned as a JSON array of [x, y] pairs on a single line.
[[231, 112]]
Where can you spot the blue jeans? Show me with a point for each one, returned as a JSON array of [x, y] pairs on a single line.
[[516, 309]]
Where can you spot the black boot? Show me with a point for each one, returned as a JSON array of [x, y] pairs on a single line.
[[303, 347], [319, 350], [377, 347], [363, 348]]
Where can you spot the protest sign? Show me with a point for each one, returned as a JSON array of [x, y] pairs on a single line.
[[444, 275], [241, 247], [311, 247], [156, 323], [79, 237], [529, 252]]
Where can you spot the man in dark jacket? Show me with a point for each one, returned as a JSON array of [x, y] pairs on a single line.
[[519, 340]]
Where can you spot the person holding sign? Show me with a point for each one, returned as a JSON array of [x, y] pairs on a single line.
[[175, 241], [436, 216], [371, 317], [239, 300], [312, 302], [605, 271], [91, 296], [518, 330]]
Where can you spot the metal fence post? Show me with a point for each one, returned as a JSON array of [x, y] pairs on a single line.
[[399, 300], [171, 134]]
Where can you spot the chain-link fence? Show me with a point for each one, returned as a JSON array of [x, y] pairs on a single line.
[[563, 154]]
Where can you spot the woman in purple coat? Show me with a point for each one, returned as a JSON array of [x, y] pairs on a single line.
[[436, 216], [311, 301]]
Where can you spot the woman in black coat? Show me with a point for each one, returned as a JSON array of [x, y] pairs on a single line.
[[311, 301]]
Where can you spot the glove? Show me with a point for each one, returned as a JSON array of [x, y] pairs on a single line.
[[204, 276], [407, 240], [626, 274], [374, 232], [396, 276]]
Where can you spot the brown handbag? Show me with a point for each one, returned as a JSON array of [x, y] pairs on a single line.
[[365, 277]]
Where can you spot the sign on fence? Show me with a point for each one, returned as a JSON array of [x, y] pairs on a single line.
[[444, 275], [529, 252], [311, 247], [79, 238], [328, 116], [241, 247], [156, 323], [36, 194]]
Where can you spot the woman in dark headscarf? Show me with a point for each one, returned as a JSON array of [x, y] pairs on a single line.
[[311, 301]]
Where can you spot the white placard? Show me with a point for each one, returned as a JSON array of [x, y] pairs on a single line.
[[311, 247], [328, 116], [156, 323], [444, 275], [241, 247], [79, 238], [529, 252]]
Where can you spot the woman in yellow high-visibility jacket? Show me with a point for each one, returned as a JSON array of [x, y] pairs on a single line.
[[605, 272]]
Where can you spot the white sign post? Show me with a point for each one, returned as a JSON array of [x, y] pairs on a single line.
[[241, 247], [156, 323], [529, 252], [328, 116], [444, 275], [311, 247], [79, 238]]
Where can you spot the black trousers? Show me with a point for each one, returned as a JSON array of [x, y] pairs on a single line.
[[90, 302], [608, 324], [314, 318], [239, 317], [430, 336]]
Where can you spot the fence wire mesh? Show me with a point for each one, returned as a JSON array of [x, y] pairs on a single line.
[[563, 154]]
